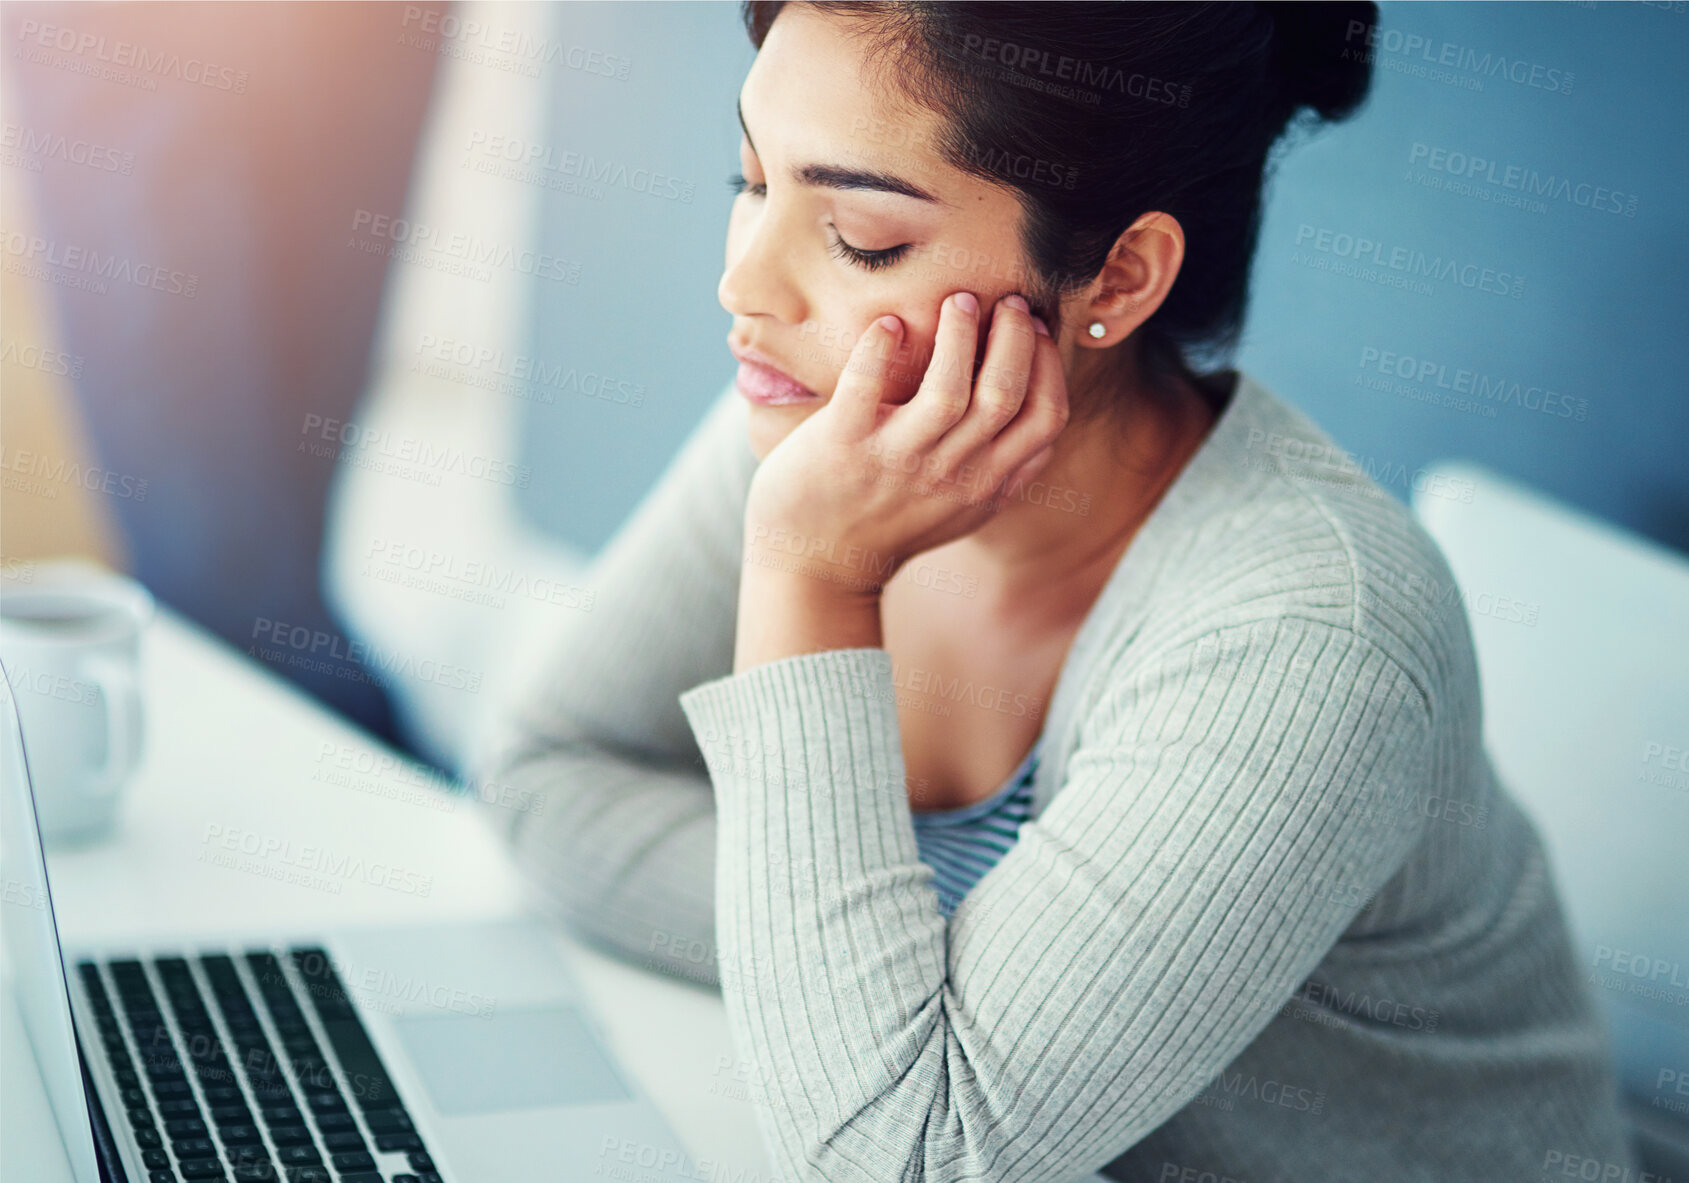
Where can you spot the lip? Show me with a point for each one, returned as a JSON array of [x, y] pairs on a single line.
[[763, 382]]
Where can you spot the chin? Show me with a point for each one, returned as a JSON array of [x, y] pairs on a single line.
[[767, 426]]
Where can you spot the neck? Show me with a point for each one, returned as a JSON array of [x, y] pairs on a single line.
[[1066, 530]]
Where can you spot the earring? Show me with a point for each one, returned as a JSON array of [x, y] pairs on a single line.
[[1097, 329]]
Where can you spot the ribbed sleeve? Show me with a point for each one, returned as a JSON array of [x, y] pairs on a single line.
[[614, 829], [1142, 931]]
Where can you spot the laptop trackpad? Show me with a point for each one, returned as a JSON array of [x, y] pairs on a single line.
[[514, 1059]]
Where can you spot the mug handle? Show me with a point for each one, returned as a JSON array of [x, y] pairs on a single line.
[[123, 721]]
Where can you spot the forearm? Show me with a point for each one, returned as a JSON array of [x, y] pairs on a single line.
[[622, 851], [832, 945]]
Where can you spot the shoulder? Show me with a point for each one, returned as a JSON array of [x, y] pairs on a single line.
[[1279, 525]]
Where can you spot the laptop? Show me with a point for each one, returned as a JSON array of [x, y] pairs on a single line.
[[460, 1053]]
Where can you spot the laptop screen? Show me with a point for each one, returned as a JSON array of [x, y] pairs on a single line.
[[34, 963]]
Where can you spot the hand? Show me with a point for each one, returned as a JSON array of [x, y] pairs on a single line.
[[863, 485]]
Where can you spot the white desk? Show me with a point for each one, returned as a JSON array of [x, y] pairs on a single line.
[[231, 744]]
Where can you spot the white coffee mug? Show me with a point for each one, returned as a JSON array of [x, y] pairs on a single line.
[[70, 639]]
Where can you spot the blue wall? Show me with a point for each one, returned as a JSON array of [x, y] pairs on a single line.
[[645, 313], [1601, 311], [1554, 326]]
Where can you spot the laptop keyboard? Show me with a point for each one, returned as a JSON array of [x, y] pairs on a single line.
[[204, 1106]]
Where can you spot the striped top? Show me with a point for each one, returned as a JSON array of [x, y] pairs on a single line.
[[963, 843], [1272, 917]]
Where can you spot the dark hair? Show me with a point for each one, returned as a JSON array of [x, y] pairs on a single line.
[[1137, 107]]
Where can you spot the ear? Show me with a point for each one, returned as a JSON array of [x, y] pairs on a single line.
[[1136, 278]]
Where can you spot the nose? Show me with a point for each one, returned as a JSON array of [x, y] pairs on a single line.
[[758, 281]]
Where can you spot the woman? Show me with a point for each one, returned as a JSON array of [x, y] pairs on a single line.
[[1094, 773]]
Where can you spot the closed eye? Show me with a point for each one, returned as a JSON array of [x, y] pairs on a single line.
[[838, 247], [739, 184], [868, 260]]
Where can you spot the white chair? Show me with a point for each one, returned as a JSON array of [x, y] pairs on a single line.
[[1582, 634]]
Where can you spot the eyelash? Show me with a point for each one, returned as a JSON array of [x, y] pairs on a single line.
[[840, 249], [739, 184]]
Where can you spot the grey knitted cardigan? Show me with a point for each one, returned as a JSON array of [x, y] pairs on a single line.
[[1273, 918]]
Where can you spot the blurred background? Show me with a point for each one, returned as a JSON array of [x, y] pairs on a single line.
[[343, 317], [368, 324]]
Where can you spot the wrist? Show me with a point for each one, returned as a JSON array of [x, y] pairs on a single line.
[[844, 569], [786, 613]]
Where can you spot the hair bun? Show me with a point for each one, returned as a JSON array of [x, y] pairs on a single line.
[[1321, 55]]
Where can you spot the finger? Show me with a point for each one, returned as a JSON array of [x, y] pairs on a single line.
[[1042, 416], [1000, 389], [866, 377], [942, 398]]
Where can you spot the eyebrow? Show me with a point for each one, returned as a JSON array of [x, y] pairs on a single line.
[[832, 176]]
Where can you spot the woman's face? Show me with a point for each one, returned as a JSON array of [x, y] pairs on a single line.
[[847, 213]]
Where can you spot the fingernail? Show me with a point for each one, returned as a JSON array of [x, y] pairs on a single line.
[[1039, 327], [890, 324], [967, 302], [1016, 300]]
